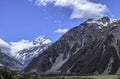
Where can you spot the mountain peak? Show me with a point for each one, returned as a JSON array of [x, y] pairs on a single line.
[[85, 49], [104, 19], [38, 46], [41, 40], [23, 51], [103, 22]]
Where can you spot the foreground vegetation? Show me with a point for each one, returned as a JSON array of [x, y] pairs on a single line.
[[7, 74]]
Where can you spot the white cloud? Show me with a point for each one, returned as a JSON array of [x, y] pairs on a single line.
[[3, 43], [17, 46], [14, 47], [61, 30], [79, 8], [4, 46]]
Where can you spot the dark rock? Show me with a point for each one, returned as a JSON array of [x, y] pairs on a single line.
[[85, 49]]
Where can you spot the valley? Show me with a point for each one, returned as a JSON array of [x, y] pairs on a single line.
[[90, 50], [8, 74]]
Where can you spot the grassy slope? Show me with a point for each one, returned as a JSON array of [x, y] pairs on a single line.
[[7, 74], [95, 77]]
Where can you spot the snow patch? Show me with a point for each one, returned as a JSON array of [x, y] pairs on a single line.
[[12, 48], [41, 40], [98, 22], [17, 46], [1, 65], [101, 23], [114, 20]]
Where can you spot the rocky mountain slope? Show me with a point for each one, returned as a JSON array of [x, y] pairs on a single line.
[[9, 62], [26, 55], [93, 47]]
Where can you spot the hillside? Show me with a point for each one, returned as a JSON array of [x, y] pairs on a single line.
[[89, 48]]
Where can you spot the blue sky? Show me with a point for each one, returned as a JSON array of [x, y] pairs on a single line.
[[24, 19]]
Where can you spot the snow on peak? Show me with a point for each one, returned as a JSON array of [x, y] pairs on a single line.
[[13, 47], [41, 40], [24, 44], [17, 46], [112, 20], [102, 22], [32, 49]]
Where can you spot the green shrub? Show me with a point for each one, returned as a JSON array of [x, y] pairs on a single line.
[[118, 77]]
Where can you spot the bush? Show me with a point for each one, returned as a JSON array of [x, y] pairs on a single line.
[[118, 77], [6, 75]]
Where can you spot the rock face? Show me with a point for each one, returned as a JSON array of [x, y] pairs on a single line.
[[9, 62], [93, 47]]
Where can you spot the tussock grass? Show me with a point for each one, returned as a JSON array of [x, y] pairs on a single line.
[[7, 74]]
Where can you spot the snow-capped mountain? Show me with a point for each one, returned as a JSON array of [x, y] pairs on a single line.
[[17, 55], [93, 47], [39, 45]]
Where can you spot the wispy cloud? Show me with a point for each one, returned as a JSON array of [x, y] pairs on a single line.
[[4, 46], [17, 46], [13, 47], [61, 30], [79, 8]]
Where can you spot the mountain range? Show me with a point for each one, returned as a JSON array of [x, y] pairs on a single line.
[[93, 47], [23, 54]]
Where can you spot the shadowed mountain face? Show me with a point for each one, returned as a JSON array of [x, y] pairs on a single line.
[[93, 47], [9, 62]]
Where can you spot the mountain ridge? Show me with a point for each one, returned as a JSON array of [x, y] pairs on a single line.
[[22, 55], [26, 55], [89, 48]]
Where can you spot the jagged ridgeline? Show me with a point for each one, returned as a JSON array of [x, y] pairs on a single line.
[[92, 47], [22, 57]]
